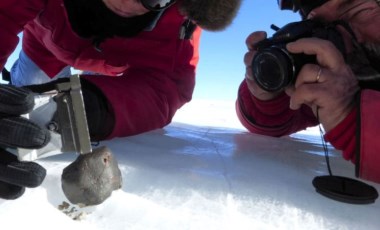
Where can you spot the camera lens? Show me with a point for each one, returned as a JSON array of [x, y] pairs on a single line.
[[272, 69]]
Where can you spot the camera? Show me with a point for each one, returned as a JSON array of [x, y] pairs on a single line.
[[274, 68]]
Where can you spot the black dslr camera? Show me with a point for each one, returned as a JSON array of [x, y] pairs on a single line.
[[274, 68]]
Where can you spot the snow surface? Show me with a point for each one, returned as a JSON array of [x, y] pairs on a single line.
[[204, 171]]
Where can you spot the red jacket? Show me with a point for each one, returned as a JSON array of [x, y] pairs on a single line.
[[357, 135], [156, 69]]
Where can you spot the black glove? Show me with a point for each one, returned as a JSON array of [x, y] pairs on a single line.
[[18, 132], [100, 118]]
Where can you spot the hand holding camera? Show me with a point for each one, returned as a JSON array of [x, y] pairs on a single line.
[[306, 59], [274, 67], [329, 85]]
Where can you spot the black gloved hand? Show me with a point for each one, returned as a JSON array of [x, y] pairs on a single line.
[[18, 132]]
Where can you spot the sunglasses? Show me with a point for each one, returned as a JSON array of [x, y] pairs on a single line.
[[304, 6], [288, 5], [157, 5]]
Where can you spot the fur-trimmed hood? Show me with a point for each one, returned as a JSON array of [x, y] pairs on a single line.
[[213, 15]]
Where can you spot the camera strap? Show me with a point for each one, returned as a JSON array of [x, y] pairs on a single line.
[[340, 188]]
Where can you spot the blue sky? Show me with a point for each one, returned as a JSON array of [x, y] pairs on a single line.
[[221, 69]]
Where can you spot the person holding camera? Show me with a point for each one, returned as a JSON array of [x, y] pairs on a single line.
[[283, 92]]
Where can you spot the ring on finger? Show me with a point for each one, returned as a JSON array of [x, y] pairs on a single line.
[[318, 75]]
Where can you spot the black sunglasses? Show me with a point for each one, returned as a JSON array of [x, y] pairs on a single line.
[[288, 5], [157, 5], [304, 6]]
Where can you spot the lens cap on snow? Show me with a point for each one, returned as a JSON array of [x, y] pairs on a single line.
[[345, 189]]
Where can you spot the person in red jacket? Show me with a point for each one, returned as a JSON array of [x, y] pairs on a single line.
[[341, 93], [150, 47], [142, 56]]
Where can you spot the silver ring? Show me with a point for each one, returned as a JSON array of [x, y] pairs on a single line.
[[318, 74]]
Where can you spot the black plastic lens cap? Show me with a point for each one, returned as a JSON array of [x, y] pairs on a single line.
[[345, 189]]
